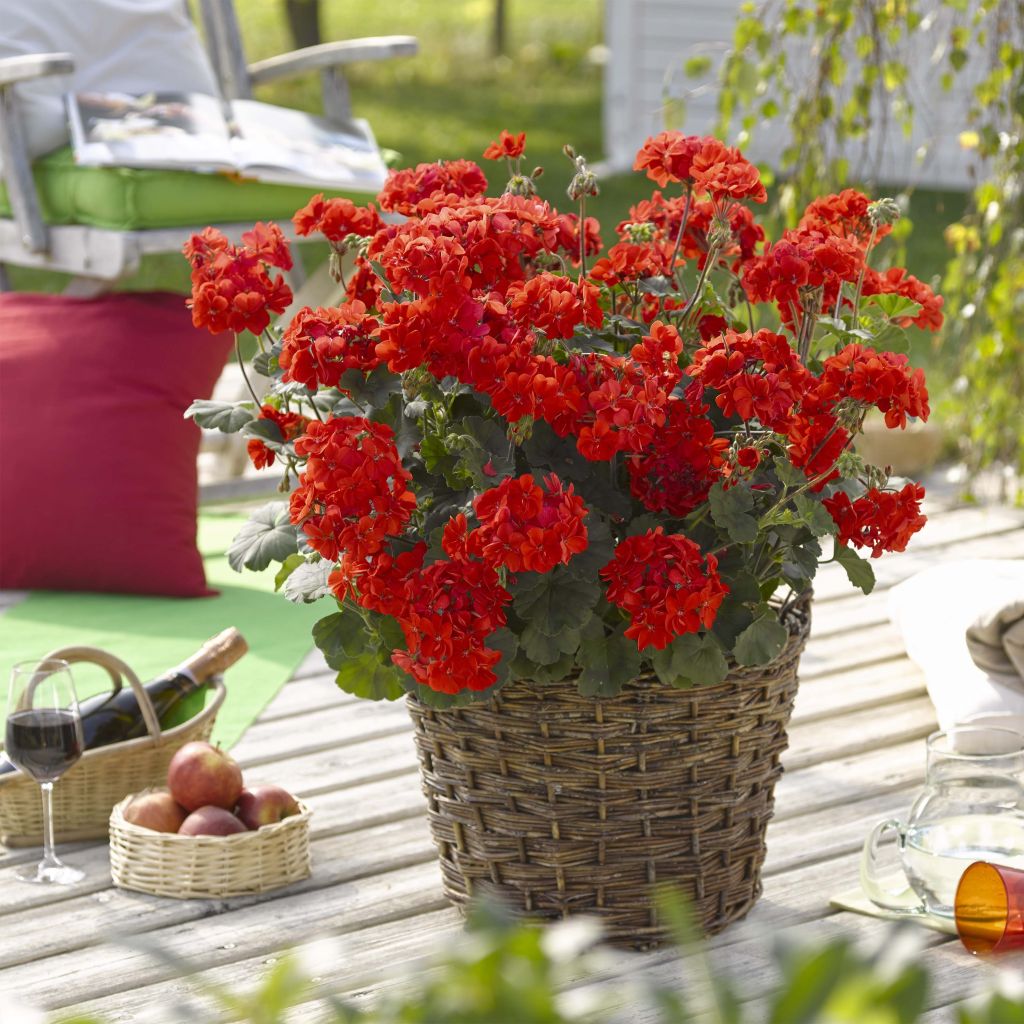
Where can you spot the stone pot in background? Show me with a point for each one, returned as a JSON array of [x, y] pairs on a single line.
[[910, 452]]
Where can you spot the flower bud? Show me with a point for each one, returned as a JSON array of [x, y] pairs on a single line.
[[520, 185], [640, 233], [883, 211], [334, 266], [584, 183], [521, 430]]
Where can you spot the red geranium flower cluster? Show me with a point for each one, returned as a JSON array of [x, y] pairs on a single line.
[[451, 609], [882, 379], [406, 190], [666, 586], [704, 162], [525, 527], [354, 492], [685, 458], [756, 376], [231, 287], [321, 344], [554, 304], [508, 145], [567, 238], [880, 520], [337, 218], [290, 424], [802, 261], [844, 214]]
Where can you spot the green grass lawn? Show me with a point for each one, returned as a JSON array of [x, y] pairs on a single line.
[[454, 97]]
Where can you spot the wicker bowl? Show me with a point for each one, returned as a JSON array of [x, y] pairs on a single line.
[[208, 867], [85, 793]]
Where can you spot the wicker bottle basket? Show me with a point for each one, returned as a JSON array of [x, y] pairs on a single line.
[[208, 867], [559, 804], [85, 794]]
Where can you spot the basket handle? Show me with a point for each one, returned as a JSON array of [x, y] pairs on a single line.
[[116, 669]]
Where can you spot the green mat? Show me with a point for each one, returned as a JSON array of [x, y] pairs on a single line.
[[152, 634]]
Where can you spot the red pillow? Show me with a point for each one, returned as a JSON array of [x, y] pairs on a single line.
[[98, 482]]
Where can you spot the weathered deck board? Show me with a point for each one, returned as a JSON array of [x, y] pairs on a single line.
[[855, 756]]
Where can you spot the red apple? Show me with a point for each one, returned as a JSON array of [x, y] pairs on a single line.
[[157, 811], [211, 821], [199, 775], [265, 805]]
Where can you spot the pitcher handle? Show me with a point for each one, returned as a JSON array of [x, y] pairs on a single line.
[[905, 901]]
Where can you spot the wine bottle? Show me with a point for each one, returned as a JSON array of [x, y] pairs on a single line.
[[176, 696]]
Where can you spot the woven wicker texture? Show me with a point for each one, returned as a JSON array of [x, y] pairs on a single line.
[[86, 792], [560, 804], [208, 867]]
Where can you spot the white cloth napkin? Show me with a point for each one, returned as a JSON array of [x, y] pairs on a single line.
[[855, 900], [934, 609]]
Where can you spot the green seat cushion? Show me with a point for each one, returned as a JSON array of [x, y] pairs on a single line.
[[126, 199]]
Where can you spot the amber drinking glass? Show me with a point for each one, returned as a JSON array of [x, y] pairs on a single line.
[[989, 908]]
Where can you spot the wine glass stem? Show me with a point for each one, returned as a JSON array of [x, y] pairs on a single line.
[[49, 856]]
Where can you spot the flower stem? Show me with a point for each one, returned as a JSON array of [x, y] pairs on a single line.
[[863, 267], [679, 241], [245, 376]]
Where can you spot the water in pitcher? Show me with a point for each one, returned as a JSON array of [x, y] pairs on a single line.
[[936, 854]]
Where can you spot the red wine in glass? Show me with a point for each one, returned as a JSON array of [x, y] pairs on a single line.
[[43, 738], [44, 743]]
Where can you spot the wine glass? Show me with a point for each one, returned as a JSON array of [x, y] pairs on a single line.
[[44, 739]]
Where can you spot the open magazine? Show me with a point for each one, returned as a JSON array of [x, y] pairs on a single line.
[[191, 131]]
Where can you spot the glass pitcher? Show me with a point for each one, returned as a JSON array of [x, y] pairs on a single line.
[[971, 808]]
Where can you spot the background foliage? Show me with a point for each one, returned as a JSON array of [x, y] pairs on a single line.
[[504, 972]]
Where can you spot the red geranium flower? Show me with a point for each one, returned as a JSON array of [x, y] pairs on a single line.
[[880, 520], [405, 189], [723, 172], [525, 527], [666, 586], [882, 379], [290, 425], [508, 145], [353, 493], [231, 289], [844, 214], [756, 376], [896, 281], [321, 344], [676, 471], [668, 156], [554, 304], [337, 218]]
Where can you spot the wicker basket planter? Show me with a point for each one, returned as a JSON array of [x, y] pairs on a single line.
[[85, 794], [559, 804], [208, 867]]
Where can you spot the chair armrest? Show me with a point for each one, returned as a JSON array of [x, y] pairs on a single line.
[[332, 55], [34, 65]]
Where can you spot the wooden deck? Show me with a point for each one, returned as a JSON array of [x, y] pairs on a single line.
[[856, 755]]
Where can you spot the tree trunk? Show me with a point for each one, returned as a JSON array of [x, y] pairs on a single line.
[[498, 28]]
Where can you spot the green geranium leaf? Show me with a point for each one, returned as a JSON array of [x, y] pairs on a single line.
[[227, 417], [265, 363], [546, 449], [308, 583], [371, 389], [365, 676], [288, 566], [607, 662], [731, 510], [790, 475], [762, 641], [266, 431], [485, 452], [543, 649], [857, 569], [894, 306], [599, 551], [268, 537], [693, 659], [557, 601], [800, 559], [815, 515], [341, 636]]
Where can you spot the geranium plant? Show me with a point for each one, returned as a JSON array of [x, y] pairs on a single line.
[[512, 453]]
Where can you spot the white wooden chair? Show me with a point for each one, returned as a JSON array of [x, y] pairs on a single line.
[[103, 254]]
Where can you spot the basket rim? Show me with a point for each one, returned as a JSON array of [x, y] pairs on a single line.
[[140, 742], [264, 832]]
